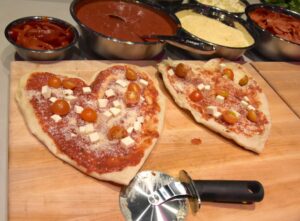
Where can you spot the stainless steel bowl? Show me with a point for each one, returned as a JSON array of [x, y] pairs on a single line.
[[113, 48], [42, 55], [245, 2], [270, 45], [203, 49]]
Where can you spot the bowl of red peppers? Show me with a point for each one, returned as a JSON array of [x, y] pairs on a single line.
[[41, 37]]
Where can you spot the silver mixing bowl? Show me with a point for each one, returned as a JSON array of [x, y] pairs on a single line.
[[42, 55], [270, 45]]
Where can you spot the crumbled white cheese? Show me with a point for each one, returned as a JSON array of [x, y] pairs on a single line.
[[78, 109], [245, 98], [53, 99], [140, 119], [102, 102], [115, 111], [237, 114], [144, 82], [200, 86], [171, 72], [116, 103], [67, 92], [127, 142], [107, 114], [220, 99], [217, 114], [250, 107], [94, 137], [46, 92], [56, 117], [207, 87], [122, 83], [211, 109], [244, 103], [89, 128], [86, 90], [70, 97], [137, 126], [129, 130], [109, 93]]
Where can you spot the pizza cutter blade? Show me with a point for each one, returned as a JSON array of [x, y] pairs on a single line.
[[155, 196]]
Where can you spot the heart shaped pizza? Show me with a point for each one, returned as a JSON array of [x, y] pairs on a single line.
[[106, 128], [223, 96]]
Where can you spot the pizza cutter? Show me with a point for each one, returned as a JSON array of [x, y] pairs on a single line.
[[156, 196]]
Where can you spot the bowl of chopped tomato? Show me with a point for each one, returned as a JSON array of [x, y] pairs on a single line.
[[41, 38]]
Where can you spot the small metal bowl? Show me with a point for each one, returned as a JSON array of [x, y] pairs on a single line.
[[42, 55], [245, 2], [113, 48], [270, 45]]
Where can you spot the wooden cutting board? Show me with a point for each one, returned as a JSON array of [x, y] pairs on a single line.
[[41, 187], [284, 78]]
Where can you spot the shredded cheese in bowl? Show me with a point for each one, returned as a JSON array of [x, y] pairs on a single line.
[[234, 6]]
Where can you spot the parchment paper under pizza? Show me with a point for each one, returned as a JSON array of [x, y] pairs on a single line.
[[223, 96], [106, 127]]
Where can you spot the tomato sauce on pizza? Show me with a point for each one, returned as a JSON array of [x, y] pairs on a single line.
[[103, 127]]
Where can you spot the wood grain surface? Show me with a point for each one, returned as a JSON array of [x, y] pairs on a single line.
[[41, 187], [285, 80]]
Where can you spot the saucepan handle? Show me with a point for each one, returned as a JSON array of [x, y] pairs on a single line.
[[186, 43], [229, 191]]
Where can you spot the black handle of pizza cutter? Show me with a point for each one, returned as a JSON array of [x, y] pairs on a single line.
[[229, 191]]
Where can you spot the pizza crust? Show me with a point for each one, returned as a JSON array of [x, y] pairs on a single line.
[[121, 177], [255, 143]]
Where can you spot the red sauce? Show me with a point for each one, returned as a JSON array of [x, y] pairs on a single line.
[[279, 24], [114, 159], [41, 35], [196, 141], [124, 20]]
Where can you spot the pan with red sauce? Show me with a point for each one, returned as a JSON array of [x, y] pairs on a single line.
[[124, 20]]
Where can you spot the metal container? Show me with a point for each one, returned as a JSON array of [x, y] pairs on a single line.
[[42, 55], [205, 49], [270, 45], [113, 48], [245, 2]]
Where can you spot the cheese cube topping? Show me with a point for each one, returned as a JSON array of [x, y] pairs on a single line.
[[171, 72], [94, 137], [107, 114], [207, 87], [143, 82], [89, 128], [244, 103], [140, 119], [122, 83], [56, 117], [53, 99], [220, 99], [102, 103], [115, 111], [129, 130], [246, 99], [200, 86], [46, 91], [237, 114], [109, 93], [137, 126], [217, 114], [116, 103], [211, 109], [86, 90], [127, 142], [70, 97], [67, 92], [250, 107], [78, 109]]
